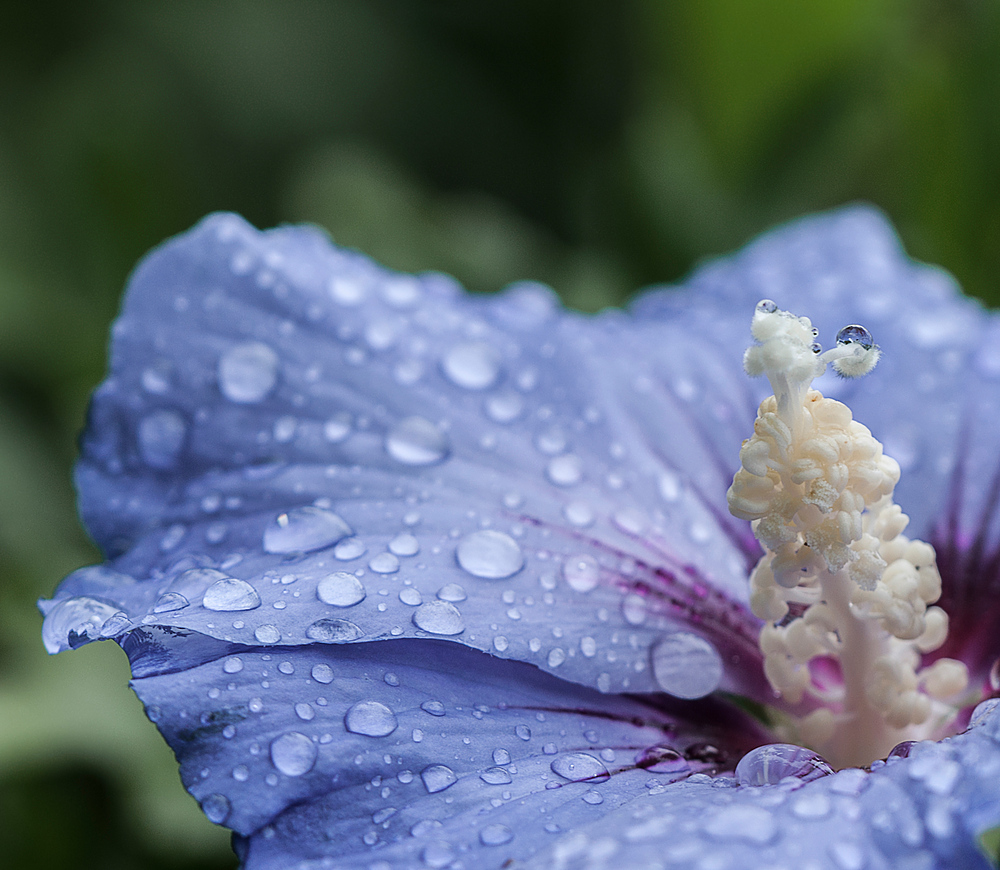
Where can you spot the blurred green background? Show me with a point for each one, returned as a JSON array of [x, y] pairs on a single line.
[[598, 146]]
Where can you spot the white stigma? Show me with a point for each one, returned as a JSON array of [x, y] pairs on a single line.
[[844, 594]]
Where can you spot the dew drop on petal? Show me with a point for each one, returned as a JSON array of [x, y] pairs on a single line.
[[404, 544], [581, 572], [565, 470], [686, 665], [384, 563], [303, 530], [267, 633], [170, 602], [293, 754], [216, 807], [579, 514], [416, 441], [340, 590], [161, 438], [333, 631], [230, 594], [73, 621], [855, 333], [489, 554], [232, 665], [495, 835], [496, 776], [410, 596], [749, 823], [980, 713], [322, 673], [438, 854], [474, 365], [452, 592], [337, 428], [435, 708], [768, 765], [348, 549], [580, 766], [662, 759], [437, 777], [504, 407], [248, 372], [439, 617], [370, 718]]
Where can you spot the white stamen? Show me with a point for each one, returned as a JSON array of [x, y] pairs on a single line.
[[818, 490]]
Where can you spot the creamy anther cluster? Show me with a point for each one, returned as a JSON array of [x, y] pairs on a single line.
[[846, 597]]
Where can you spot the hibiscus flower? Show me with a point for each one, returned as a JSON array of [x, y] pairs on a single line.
[[412, 578]]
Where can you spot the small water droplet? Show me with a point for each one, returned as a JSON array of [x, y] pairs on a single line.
[[229, 594], [267, 633], [856, 333], [495, 776], [241, 773], [495, 835], [501, 756], [74, 621], [333, 631], [404, 544], [556, 657], [370, 718], [437, 777], [580, 766], [416, 441], [593, 797], [348, 549], [766, 306], [686, 665], [248, 372], [566, 470], [232, 665], [435, 708], [304, 529], [170, 602], [768, 765], [523, 732], [579, 514], [749, 823], [437, 854], [161, 438], [439, 617], [489, 554], [384, 563], [452, 592], [581, 572], [472, 366], [322, 673], [293, 754], [305, 711], [409, 595], [662, 759], [504, 407], [216, 807], [340, 590]]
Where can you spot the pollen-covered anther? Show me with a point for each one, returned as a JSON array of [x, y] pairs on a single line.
[[817, 489]]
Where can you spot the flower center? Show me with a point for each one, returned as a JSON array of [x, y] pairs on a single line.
[[845, 596]]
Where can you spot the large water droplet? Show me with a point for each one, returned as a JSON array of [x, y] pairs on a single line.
[[768, 765], [267, 633], [452, 592], [580, 766], [686, 665], [416, 441], [248, 372], [216, 807], [333, 631], [293, 753], [856, 333], [337, 428], [474, 365], [161, 438], [74, 621], [495, 776], [489, 554], [495, 835], [303, 530], [439, 617], [581, 572], [438, 777], [230, 594], [340, 590], [370, 718], [322, 673]]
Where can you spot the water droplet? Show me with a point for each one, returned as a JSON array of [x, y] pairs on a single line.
[[267, 633], [346, 291], [232, 665], [579, 514], [435, 708], [588, 646], [634, 609], [438, 777], [404, 544], [495, 776], [752, 824], [409, 595], [581, 572], [337, 428], [686, 665], [230, 594], [593, 797], [322, 673], [812, 805], [248, 372], [662, 759], [116, 624], [556, 657], [384, 563], [856, 333], [766, 306], [580, 766], [501, 756], [161, 438], [565, 470], [333, 631], [495, 835], [170, 602], [474, 365], [768, 765], [438, 854], [241, 773], [504, 407], [216, 807], [340, 590], [305, 712], [370, 718], [303, 530], [74, 621], [348, 549], [293, 754], [523, 732], [439, 617], [452, 592], [979, 715], [416, 441], [500, 643], [489, 554]]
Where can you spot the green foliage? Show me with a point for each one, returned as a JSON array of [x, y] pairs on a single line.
[[598, 147]]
